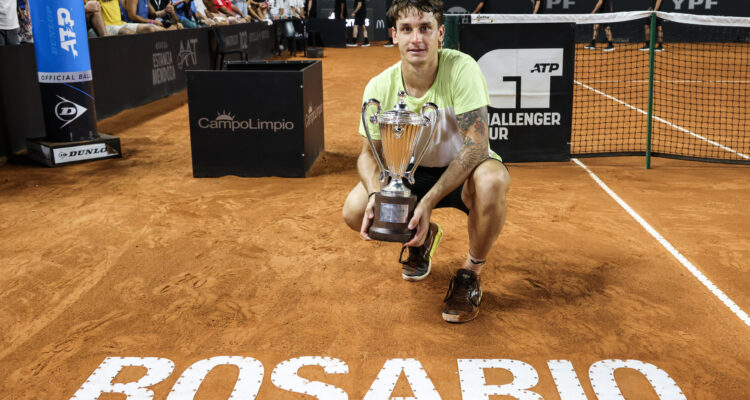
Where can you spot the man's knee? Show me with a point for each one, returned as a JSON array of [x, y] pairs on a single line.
[[490, 185], [352, 218]]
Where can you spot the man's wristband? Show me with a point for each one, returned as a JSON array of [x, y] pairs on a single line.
[[152, 22], [370, 195]]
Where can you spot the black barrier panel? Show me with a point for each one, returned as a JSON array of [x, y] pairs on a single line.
[[21, 113], [255, 41], [133, 70], [331, 32], [529, 73], [234, 131], [128, 71]]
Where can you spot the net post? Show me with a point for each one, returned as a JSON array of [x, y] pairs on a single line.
[[649, 123]]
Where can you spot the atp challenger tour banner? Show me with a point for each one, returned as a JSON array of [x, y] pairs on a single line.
[[64, 69], [529, 73]]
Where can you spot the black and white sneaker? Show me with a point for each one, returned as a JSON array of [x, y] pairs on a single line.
[[351, 43], [590, 46], [659, 47], [389, 43], [366, 43], [644, 48], [610, 47]]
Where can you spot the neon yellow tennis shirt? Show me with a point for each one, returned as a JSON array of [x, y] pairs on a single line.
[[459, 87]]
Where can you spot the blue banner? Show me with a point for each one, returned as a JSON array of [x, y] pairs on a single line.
[[60, 41]]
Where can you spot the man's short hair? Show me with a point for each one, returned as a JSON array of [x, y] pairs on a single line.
[[400, 6]]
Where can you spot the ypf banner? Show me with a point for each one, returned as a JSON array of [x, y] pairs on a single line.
[[529, 74], [64, 69]]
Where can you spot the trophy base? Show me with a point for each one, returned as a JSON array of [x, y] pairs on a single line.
[[392, 215], [389, 235]]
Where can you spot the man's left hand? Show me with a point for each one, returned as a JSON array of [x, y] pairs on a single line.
[[420, 221]]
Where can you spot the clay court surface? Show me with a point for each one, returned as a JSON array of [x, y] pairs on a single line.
[[136, 258]]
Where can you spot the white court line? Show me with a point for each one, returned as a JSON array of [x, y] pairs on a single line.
[[684, 261], [664, 121]]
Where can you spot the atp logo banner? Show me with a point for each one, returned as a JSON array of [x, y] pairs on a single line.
[[528, 69], [60, 41]]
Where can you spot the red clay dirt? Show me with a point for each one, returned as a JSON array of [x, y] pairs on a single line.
[[136, 258]]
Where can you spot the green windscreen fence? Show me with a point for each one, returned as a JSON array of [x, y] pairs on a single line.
[[697, 99]]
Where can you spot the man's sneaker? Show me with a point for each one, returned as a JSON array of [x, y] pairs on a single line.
[[590, 46], [366, 43], [659, 47], [463, 297], [644, 48], [610, 47], [389, 43], [419, 263], [351, 43]]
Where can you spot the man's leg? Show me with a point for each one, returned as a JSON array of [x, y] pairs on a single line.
[[354, 207], [484, 194]]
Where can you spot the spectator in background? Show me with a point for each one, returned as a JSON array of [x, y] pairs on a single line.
[[480, 7], [163, 10], [240, 6], [655, 5], [359, 14], [277, 9], [24, 22], [389, 25], [538, 8], [186, 13], [201, 14], [140, 12], [213, 12], [8, 23], [311, 9], [230, 11], [258, 10], [297, 9], [602, 6], [112, 15], [94, 21], [339, 10]]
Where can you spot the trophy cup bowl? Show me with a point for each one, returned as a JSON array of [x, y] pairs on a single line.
[[403, 146]]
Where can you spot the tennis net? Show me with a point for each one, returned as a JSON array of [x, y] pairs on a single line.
[[697, 98]]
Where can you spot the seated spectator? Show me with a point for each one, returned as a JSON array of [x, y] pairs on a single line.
[[201, 14], [296, 9], [220, 17], [186, 12], [8, 23], [258, 10], [112, 15], [278, 9], [94, 21], [227, 8], [24, 22], [163, 10]]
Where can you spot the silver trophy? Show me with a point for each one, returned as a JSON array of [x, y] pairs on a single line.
[[402, 137]]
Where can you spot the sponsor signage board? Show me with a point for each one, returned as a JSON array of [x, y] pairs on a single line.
[[55, 154], [234, 133], [529, 73]]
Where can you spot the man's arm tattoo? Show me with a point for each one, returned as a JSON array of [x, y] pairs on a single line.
[[475, 118], [473, 126]]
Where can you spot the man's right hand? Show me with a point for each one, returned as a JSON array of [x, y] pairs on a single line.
[[367, 218]]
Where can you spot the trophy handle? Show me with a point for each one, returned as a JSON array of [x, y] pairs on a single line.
[[373, 119], [418, 159]]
